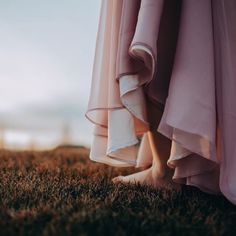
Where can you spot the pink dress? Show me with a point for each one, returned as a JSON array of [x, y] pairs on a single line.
[[181, 55]]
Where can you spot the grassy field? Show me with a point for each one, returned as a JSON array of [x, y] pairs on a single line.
[[62, 192]]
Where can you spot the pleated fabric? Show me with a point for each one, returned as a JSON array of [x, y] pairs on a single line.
[[181, 56]]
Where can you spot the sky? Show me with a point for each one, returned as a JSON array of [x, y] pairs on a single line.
[[47, 49]]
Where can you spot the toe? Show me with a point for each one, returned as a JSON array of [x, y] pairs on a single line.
[[117, 179]]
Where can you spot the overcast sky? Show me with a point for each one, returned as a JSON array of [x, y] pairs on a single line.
[[47, 49]]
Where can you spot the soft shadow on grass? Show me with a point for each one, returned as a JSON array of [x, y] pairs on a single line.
[[62, 192]]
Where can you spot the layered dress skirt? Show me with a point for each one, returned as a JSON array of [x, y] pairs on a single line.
[[181, 57]]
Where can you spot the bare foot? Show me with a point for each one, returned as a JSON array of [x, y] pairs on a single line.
[[149, 177]]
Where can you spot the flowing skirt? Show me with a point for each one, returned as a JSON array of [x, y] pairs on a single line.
[[181, 57]]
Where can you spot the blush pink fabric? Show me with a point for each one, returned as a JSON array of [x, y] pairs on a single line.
[[181, 55]]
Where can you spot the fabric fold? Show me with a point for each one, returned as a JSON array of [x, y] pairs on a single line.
[[131, 55]]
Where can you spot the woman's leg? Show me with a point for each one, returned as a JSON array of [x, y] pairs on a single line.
[[159, 174]]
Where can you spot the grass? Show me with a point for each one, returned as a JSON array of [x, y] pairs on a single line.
[[62, 192]]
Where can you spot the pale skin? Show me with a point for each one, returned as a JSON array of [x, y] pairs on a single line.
[[159, 174]]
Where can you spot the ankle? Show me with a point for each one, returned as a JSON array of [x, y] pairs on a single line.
[[158, 171]]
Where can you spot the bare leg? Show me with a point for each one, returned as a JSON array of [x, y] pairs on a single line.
[[159, 174]]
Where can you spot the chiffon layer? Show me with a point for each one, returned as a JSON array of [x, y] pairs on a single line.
[[180, 56]]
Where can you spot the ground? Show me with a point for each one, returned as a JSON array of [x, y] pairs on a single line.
[[62, 192]]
